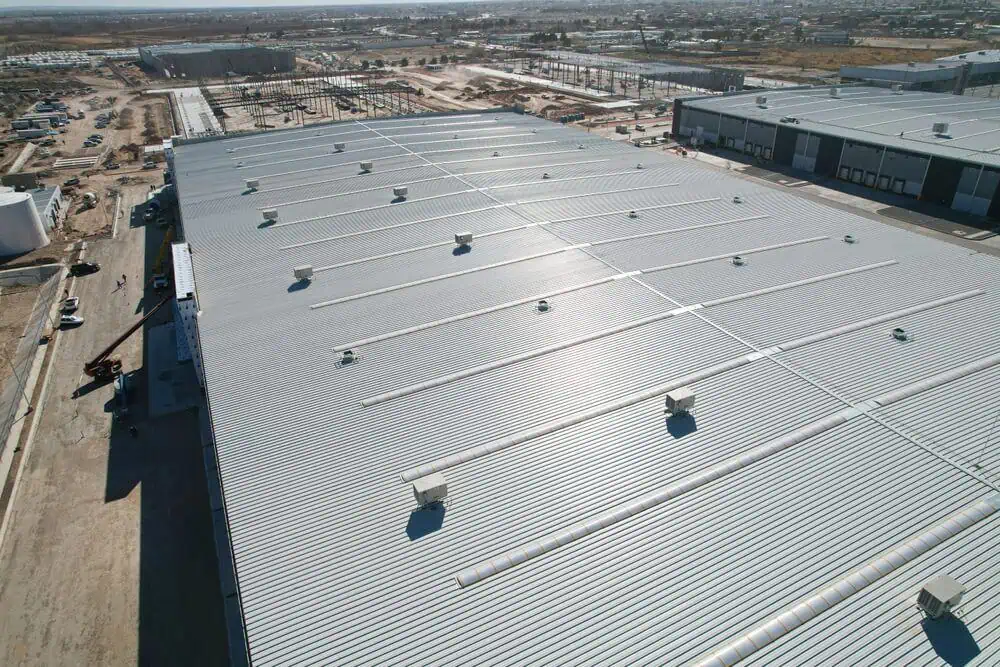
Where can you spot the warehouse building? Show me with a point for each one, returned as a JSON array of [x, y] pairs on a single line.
[[935, 147], [437, 352], [193, 61], [935, 76]]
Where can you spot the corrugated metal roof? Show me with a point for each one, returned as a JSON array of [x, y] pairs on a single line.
[[878, 116], [333, 566]]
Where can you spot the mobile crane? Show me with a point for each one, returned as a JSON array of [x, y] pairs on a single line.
[[104, 367]]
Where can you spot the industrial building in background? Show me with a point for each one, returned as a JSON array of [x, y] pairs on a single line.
[[192, 61], [411, 328], [951, 74], [939, 148]]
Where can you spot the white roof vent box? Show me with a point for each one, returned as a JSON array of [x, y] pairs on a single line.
[[897, 89], [835, 92], [940, 129], [400, 192], [303, 273], [430, 490], [367, 166], [339, 147], [940, 596], [680, 401], [252, 184], [463, 239], [270, 215], [762, 101]]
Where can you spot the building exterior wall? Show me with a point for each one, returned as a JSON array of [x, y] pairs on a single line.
[[209, 62]]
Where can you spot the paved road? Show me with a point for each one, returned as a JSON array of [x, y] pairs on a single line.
[[108, 558]]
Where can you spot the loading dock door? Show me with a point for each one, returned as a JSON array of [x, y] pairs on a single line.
[[828, 156], [784, 145], [942, 181]]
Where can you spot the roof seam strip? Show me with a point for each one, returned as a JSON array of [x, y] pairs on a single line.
[[507, 442], [696, 480], [782, 624], [579, 340]]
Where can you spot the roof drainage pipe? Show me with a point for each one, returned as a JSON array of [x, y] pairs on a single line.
[[625, 511], [784, 623]]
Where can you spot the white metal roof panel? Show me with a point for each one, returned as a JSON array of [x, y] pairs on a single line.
[[332, 566]]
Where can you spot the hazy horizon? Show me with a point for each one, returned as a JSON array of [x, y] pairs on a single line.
[[204, 4]]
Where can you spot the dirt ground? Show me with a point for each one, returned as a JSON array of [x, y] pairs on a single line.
[[16, 304], [107, 555], [943, 44]]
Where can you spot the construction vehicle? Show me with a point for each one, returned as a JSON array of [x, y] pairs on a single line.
[[104, 367]]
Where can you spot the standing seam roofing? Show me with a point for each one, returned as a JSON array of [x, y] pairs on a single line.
[[332, 561]]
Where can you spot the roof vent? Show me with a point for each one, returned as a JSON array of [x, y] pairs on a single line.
[[897, 89], [253, 184], [762, 101], [911, 64], [835, 92], [680, 401], [348, 357], [738, 260], [269, 214], [900, 334], [543, 306], [230, 150], [534, 131], [303, 273], [239, 165], [639, 166], [367, 166], [339, 147], [633, 214], [963, 56], [454, 136], [849, 238], [463, 238], [430, 490], [546, 175], [940, 595], [400, 192], [737, 199], [581, 146], [982, 53], [940, 129], [496, 153]]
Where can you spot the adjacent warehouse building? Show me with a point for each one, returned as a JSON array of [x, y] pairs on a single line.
[[836, 460], [940, 148], [212, 60], [948, 74]]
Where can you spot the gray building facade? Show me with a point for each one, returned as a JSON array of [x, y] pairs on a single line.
[[192, 61], [929, 146]]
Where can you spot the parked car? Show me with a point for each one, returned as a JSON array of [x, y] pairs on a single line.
[[71, 181], [71, 304], [70, 321], [149, 164], [84, 268], [160, 281], [112, 165]]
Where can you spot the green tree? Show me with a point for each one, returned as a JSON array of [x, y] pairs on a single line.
[[365, 64], [404, 62], [444, 59], [422, 62], [380, 63]]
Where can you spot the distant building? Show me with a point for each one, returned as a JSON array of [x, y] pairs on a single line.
[[832, 37], [935, 76], [192, 61]]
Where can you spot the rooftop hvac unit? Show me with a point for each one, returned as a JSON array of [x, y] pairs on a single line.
[[269, 214], [738, 260], [304, 272], [940, 129], [633, 214], [367, 166], [849, 238], [463, 238], [835, 92], [430, 489], [339, 147], [400, 192], [762, 100], [897, 89], [940, 595], [253, 184], [680, 401], [546, 176]]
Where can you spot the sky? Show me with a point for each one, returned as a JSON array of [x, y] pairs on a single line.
[[178, 4]]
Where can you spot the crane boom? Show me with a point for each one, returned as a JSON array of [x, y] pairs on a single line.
[[103, 367]]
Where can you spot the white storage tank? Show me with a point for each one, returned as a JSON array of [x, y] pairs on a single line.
[[21, 228]]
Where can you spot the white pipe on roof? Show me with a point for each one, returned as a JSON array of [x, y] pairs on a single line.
[[784, 623], [612, 406], [620, 513]]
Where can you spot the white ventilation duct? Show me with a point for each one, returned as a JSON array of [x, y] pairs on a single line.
[[252, 184], [269, 214]]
